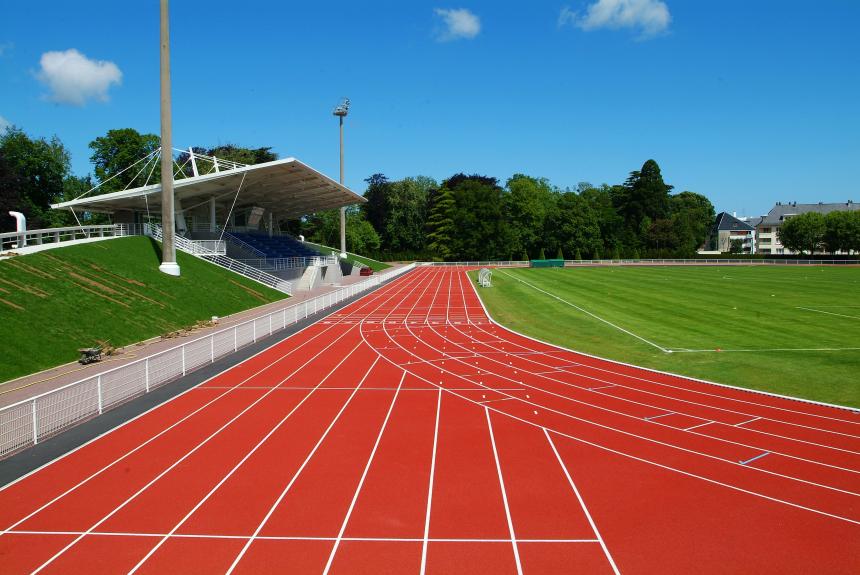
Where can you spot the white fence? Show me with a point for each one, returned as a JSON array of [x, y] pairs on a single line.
[[691, 262], [16, 240], [28, 422], [279, 264], [199, 249]]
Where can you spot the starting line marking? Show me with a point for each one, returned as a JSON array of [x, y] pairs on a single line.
[[759, 456]]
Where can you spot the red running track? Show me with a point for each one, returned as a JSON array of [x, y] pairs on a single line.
[[407, 433]]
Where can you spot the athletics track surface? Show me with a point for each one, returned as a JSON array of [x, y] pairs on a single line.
[[408, 434]]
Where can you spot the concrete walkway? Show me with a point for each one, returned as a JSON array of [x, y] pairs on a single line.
[[26, 387]]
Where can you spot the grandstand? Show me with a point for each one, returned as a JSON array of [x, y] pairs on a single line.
[[229, 214]]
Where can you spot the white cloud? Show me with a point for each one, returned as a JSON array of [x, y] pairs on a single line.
[[651, 17], [459, 23], [4, 124], [73, 78]]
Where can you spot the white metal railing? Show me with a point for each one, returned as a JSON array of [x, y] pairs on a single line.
[[28, 422], [245, 245], [196, 248], [692, 262], [279, 264], [17, 240]]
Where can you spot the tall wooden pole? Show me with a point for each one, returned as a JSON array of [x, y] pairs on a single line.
[[168, 258], [343, 209]]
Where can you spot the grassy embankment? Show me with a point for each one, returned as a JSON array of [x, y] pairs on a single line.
[[56, 301], [793, 331]]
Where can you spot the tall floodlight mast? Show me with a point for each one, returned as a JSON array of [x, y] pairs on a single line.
[[168, 258], [341, 111]]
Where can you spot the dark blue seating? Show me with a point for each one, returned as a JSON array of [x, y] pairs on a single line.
[[277, 246]]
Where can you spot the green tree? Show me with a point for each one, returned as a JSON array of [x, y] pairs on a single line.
[[529, 201], [376, 208], [440, 225], [32, 174], [804, 232], [736, 246], [406, 220], [481, 230], [643, 196], [842, 231], [574, 225], [116, 152], [692, 216]]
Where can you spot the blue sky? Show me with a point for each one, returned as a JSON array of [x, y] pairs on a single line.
[[748, 102]]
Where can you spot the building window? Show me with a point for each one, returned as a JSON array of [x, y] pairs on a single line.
[[764, 240], [765, 230]]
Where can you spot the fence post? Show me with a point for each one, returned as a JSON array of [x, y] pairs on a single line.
[[35, 425], [183, 359], [235, 346], [99, 389], [254, 327], [146, 373]]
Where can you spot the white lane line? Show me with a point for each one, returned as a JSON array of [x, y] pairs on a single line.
[[582, 504], [176, 463], [238, 465], [296, 475], [828, 312], [565, 352], [165, 430], [301, 537], [687, 473], [747, 421], [585, 311], [717, 438], [430, 486], [494, 400], [645, 438], [751, 459], [504, 494], [363, 476], [658, 416], [698, 426], [601, 387]]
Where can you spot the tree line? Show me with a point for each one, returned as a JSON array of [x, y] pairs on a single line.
[[474, 217], [464, 217], [811, 232]]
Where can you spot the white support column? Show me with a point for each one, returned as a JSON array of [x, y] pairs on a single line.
[[193, 162]]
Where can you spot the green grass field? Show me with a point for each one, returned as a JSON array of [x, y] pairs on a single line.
[[56, 301], [372, 264], [788, 330]]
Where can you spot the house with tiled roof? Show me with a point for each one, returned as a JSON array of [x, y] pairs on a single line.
[[728, 228]]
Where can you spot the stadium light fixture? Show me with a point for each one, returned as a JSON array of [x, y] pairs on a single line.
[[341, 110]]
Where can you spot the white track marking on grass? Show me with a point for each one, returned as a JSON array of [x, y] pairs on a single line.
[[719, 439], [363, 476], [582, 504], [504, 494], [560, 349], [759, 350], [828, 312], [585, 311]]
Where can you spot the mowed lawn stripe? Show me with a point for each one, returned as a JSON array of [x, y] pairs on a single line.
[[699, 308]]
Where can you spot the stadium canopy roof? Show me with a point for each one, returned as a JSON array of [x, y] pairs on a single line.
[[286, 187]]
